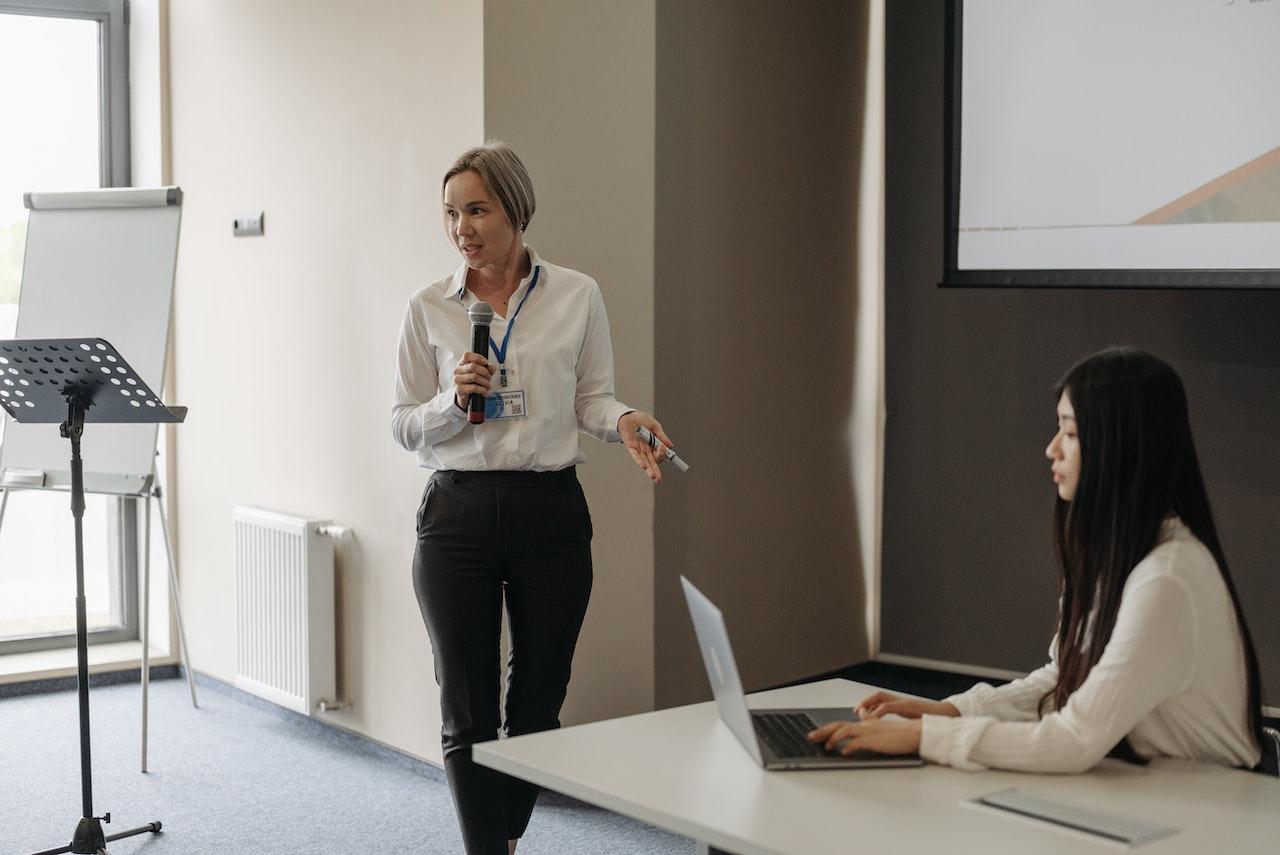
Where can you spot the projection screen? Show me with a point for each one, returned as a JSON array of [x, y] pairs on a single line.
[[1113, 143]]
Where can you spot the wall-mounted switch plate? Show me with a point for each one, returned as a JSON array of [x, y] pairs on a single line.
[[247, 223]]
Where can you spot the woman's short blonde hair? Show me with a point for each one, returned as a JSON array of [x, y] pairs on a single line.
[[504, 176]]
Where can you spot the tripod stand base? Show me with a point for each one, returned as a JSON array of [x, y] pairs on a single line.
[[78, 392], [89, 839]]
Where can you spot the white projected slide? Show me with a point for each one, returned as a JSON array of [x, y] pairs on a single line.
[[1119, 134]]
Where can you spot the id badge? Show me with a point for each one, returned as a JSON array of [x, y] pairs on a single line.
[[504, 405]]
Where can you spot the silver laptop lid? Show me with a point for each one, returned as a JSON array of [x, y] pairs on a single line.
[[722, 670]]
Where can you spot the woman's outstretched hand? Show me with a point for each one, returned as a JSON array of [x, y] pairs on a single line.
[[885, 737], [646, 458], [883, 703], [873, 733]]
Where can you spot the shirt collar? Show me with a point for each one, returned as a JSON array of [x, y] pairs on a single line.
[[458, 288], [1170, 527]]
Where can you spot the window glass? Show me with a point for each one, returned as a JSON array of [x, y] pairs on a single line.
[[50, 141]]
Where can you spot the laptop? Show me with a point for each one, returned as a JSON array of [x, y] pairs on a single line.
[[775, 738]]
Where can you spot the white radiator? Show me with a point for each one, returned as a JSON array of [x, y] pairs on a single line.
[[284, 608]]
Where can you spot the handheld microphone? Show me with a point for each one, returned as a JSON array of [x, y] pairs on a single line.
[[481, 315]]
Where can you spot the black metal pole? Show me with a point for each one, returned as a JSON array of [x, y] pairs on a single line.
[[78, 394], [73, 429]]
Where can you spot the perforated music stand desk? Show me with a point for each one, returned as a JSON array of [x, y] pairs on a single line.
[[78, 381]]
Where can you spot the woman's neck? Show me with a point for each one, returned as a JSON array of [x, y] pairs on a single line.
[[501, 278]]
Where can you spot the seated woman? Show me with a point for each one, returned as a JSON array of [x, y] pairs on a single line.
[[1152, 656]]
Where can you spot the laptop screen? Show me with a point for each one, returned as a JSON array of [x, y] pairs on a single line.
[[722, 670]]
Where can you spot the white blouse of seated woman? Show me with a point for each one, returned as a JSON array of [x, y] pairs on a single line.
[[1152, 655]]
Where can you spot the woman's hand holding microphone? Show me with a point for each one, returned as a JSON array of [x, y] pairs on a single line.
[[472, 376]]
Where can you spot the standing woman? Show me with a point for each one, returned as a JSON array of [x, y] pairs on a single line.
[[1152, 656], [503, 517]]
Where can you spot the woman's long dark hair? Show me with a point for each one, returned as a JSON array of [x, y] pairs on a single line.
[[1138, 465]]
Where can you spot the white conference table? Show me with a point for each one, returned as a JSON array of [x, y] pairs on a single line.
[[682, 770]]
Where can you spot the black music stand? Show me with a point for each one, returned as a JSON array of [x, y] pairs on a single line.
[[74, 381]]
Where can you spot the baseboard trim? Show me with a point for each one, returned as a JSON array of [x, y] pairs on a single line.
[[326, 729], [100, 678], [949, 667], [354, 739]]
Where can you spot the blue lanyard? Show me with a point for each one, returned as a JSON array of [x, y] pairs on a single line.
[[501, 352]]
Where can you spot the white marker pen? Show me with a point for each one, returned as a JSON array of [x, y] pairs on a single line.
[[658, 445]]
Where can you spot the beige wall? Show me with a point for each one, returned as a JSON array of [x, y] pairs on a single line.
[[337, 121], [684, 173], [569, 83], [759, 140], [675, 168]]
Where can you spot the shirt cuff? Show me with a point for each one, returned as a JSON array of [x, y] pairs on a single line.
[[441, 412], [972, 701], [948, 740], [935, 738], [618, 411]]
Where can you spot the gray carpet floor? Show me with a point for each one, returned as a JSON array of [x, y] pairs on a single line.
[[239, 776]]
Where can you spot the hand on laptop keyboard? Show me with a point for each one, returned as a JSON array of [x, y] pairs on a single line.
[[785, 734], [885, 737], [884, 703]]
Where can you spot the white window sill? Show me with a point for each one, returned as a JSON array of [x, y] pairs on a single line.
[[45, 664]]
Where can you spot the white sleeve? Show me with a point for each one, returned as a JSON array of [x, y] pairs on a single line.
[[422, 413], [596, 409], [1015, 701], [1147, 661]]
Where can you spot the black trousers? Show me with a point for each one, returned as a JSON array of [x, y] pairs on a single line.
[[483, 537]]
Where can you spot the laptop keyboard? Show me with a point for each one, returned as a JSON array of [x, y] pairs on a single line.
[[784, 733]]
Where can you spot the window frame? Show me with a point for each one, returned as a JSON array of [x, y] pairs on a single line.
[[123, 566], [113, 74], [114, 160]]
